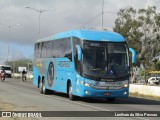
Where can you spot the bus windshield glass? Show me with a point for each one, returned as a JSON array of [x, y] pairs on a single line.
[[5, 68], [105, 60]]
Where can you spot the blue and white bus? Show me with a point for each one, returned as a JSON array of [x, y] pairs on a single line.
[[85, 63]]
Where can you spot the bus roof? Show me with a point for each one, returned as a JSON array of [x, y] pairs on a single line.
[[93, 35]]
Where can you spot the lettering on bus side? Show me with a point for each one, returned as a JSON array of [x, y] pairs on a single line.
[[65, 64]]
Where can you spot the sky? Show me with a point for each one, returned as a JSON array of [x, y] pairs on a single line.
[[69, 14]]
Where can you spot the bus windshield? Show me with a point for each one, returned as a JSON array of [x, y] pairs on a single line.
[[6, 68], [105, 60]]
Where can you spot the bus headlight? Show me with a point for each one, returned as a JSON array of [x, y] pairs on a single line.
[[87, 84], [125, 85]]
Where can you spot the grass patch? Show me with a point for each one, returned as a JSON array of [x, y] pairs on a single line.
[[150, 97]]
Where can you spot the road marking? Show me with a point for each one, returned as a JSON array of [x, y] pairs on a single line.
[[82, 104], [59, 99]]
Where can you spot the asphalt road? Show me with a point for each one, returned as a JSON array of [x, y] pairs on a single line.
[[16, 95]]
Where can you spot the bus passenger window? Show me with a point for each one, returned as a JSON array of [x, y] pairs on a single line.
[[67, 48], [37, 50], [77, 63]]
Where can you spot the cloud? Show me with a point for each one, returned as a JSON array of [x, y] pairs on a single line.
[[12, 54], [69, 14]]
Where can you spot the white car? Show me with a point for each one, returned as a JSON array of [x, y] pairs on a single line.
[[154, 80]]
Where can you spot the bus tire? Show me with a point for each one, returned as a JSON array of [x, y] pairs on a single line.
[[111, 100], [70, 95], [43, 89], [39, 80]]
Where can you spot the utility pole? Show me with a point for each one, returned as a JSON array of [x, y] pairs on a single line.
[[102, 14]]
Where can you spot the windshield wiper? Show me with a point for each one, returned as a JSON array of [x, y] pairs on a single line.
[[85, 67]]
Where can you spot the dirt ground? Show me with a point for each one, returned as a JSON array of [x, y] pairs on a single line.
[[5, 106]]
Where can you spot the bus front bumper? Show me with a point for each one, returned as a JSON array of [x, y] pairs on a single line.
[[98, 93]]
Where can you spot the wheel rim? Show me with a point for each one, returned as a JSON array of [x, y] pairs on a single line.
[[40, 86], [70, 91], [43, 88]]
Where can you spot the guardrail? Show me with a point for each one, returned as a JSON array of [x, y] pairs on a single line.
[[145, 90]]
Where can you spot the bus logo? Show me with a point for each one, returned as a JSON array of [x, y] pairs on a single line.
[[96, 83]]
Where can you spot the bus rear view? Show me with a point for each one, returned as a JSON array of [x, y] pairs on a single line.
[[98, 66]]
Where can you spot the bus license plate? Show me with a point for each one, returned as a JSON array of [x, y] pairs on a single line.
[[107, 94], [114, 88]]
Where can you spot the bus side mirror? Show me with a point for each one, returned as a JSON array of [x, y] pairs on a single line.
[[79, 52], [133, 54]]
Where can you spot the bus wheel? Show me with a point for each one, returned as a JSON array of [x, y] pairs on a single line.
[[41, 87], [71, 96], [45, 91], [111, 100]]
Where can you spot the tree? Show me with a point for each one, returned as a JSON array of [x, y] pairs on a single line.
[[127, 24], [141, 29], [20, 63], [149, 28], [156, 66]]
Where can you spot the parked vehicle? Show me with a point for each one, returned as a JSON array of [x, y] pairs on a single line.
[[154, 80], [8, 70]]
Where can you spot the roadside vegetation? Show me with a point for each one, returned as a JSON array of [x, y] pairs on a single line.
[[20, 63], [141, 29]]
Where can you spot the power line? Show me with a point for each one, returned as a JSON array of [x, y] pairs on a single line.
[[89, 21], [94, 19]]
